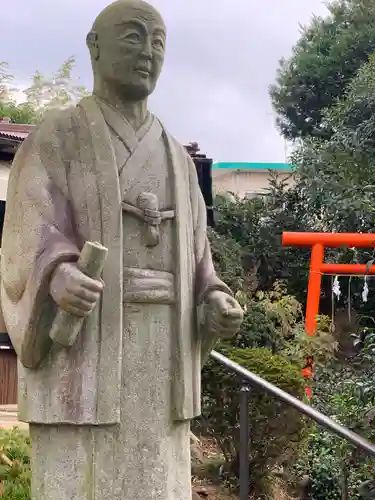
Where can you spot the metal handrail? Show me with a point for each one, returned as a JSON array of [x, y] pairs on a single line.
[[254, 380]]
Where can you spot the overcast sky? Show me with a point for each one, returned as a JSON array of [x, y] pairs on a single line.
[[221, 57]]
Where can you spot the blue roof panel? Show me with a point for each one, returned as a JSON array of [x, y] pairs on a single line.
[[254, 166]]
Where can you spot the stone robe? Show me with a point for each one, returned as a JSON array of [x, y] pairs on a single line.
[[63, 190], [67, 185]]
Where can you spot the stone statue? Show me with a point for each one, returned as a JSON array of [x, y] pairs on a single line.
[[109, 416]]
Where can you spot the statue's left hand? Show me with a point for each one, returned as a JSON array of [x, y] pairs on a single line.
[[224, 314]]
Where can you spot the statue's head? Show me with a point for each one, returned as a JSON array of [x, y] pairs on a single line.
[[127, 45]]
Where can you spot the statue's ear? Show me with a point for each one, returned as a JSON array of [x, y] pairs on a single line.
[[92, 44]]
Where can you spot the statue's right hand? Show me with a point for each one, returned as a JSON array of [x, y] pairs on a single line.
[[73, 291]]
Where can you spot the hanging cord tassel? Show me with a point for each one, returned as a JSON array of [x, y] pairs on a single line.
[[336, 291], [336, 287], [365, 290]]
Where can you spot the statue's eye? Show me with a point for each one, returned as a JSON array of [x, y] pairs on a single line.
[[158, 43], [132, 37]]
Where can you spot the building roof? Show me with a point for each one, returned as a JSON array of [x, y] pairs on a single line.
[[15, 131], [286, 167]]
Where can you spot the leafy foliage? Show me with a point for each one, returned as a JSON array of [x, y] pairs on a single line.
[[366, 341], [21, 113], [15, 479], [256, 226], [347, 395], [337, 176], [274, 318], [335, 179], [276, 430], [321, 347], [56, 91], [45, 93], [326, 58], [271, 318], [227, 254], [6, 78]]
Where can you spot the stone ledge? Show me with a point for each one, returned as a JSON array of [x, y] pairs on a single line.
[[9, 418]]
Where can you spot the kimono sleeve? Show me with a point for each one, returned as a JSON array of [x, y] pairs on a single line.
[[37, 236]]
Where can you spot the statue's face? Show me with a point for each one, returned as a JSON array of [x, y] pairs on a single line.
[[131, 51]]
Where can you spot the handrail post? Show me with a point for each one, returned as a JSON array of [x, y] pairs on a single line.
[[244, 441]]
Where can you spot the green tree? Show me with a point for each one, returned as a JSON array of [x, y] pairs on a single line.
[[45, 93], [336, 179], [325, 59], [18, 113], [6, 79], [56, 91], [256, 226]]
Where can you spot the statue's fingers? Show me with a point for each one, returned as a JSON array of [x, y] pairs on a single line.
[[86, 294], [228, 325], [230, 302], [224, 327], [221, 302], [80, 304], [92, 285], [76, 311], [233, 313], [215, 325]]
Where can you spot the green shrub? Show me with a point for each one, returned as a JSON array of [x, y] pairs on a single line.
[[15, 480], [346, 394], [277, 430], [271, 320], [227, 255], [257, 330]]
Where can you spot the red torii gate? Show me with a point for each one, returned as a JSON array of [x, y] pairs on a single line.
[[318, 242]]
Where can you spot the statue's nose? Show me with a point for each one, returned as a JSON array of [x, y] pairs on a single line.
[[147, 49]]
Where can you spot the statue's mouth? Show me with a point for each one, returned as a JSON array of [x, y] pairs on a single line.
[[143, 71]]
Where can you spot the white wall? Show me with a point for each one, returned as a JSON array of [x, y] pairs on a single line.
[[4, 174], [242, 182]]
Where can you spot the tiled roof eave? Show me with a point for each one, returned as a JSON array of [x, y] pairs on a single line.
[[12, 138]]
